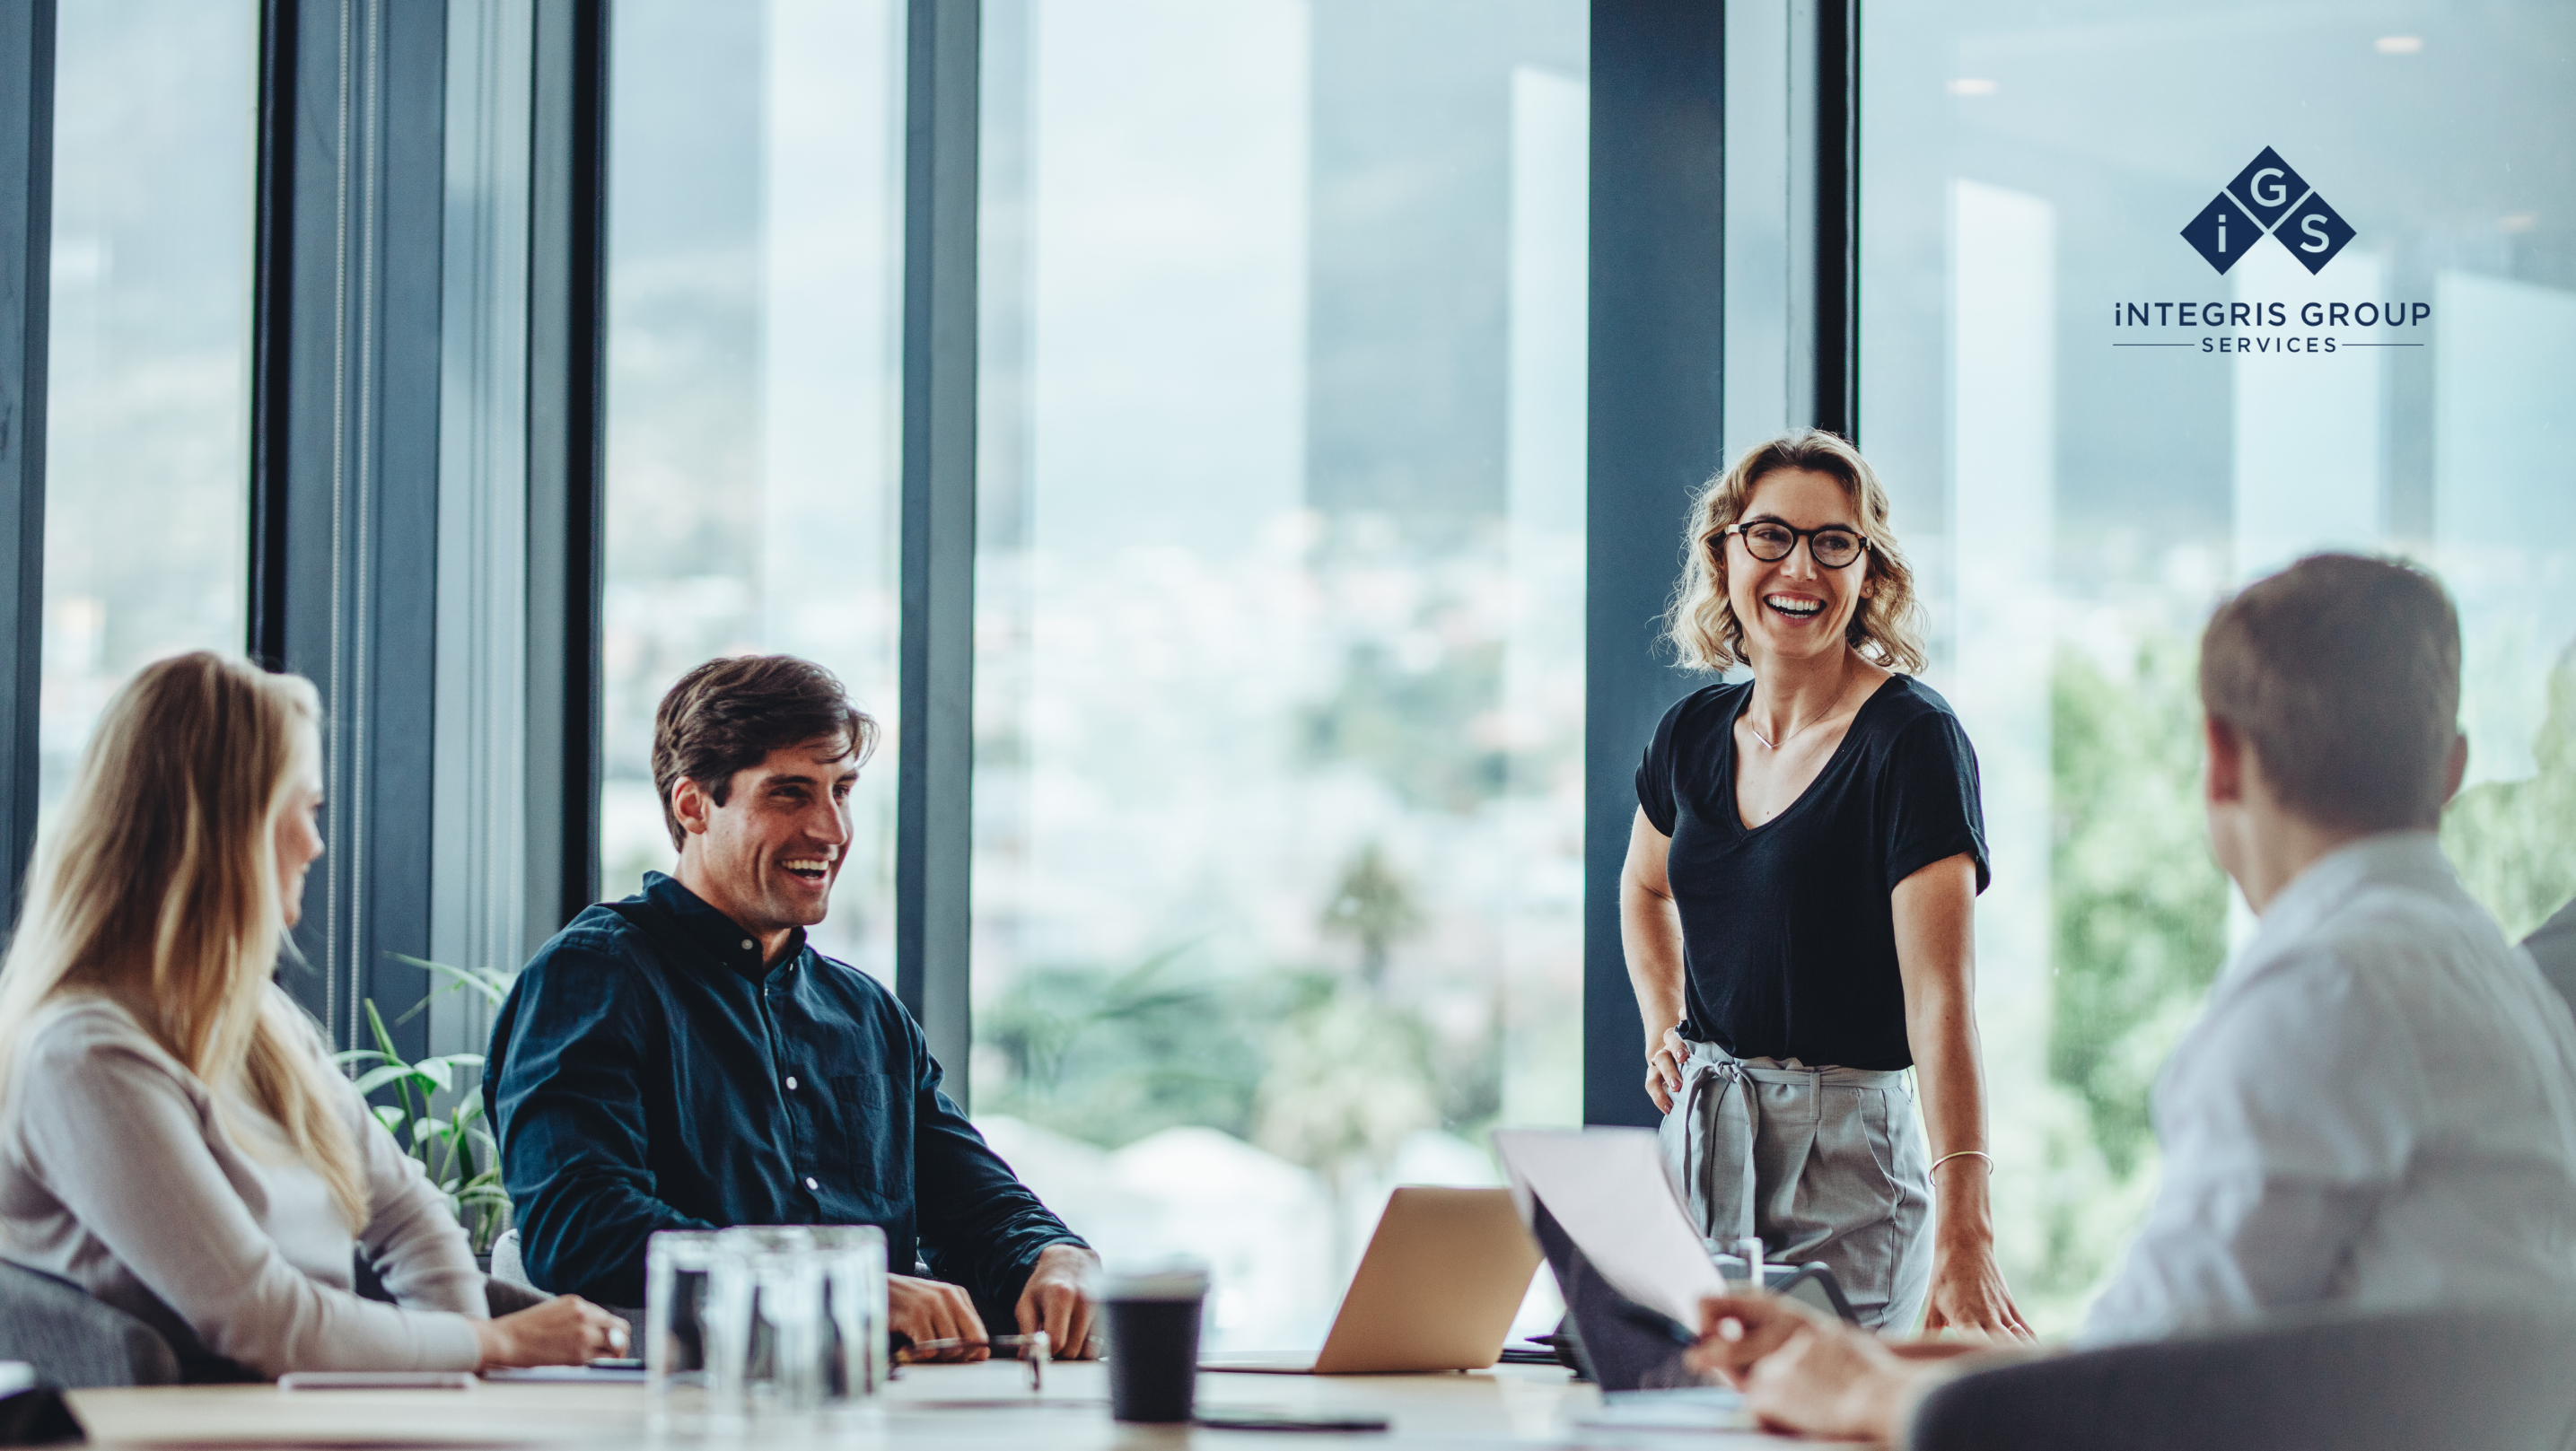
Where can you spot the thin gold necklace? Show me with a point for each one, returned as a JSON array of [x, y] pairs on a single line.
[[1771, 745]]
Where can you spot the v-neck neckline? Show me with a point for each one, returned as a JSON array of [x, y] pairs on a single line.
[[1734, 760]]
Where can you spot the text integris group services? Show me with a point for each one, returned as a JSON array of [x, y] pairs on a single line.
[[2380, 317], [2270, 201]]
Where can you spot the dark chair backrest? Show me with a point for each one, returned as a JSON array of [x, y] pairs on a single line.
[[2460, 1380], [74, 1340]]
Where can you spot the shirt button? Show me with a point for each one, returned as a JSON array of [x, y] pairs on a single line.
[[746, 944], [791, 1083], [810, 1184]]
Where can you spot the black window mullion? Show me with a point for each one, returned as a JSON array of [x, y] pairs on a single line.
[[345, 394], [1656, 391], [933, 827], [567, 475], [26, 272], [1837, 223], [272, 321]]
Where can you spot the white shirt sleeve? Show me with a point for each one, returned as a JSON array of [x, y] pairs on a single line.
[[2276, 1151], [122, 1144]]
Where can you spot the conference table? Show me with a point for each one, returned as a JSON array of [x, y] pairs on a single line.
[[985, 1405]]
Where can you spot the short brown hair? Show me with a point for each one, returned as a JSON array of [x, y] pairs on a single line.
[[730, 713], [2343, 673], [1701, 620]]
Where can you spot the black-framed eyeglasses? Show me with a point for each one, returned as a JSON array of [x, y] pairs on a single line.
[[1770, 541]]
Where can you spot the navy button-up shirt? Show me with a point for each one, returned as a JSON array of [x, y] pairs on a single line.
[[649, 1072]]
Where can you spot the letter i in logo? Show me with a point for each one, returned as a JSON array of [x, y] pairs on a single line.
[[2208, 232]]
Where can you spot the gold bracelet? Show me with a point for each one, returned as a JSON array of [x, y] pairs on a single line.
[[1962, 1154]]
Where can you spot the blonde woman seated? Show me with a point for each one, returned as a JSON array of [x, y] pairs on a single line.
[[173, 1137]]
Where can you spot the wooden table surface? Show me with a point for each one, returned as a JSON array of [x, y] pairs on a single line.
[[954, 1405]]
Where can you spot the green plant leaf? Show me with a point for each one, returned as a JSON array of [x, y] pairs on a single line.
[[493, 984], [375, 1078]]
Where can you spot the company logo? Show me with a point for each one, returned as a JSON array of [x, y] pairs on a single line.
[[2268, 199]]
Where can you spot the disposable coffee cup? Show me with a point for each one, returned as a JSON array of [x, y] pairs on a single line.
[[1154, 1341]]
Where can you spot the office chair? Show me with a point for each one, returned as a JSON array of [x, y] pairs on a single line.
[[2463, 1380], [73, 1339]]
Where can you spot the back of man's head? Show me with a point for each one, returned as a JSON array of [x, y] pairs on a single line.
[[2343, 674], [730, 713]]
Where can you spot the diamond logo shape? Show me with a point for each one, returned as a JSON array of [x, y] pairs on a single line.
[[2314, 232], [2268, 199], [2268, 188], [2222, 232]]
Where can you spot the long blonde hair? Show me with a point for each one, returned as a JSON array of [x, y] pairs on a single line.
[[1886, 629], [157, 888]]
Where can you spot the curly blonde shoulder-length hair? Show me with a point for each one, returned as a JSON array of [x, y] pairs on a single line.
[[1886, 630]]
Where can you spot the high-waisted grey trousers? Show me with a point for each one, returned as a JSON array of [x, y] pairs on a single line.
[[1825, 1164]]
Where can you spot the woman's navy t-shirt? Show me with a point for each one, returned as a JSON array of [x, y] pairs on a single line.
[[1788, 928]]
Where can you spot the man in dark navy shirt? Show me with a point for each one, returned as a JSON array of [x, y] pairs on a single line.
[[682, 1059]]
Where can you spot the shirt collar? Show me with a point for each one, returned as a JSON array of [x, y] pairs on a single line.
[[723, 938], [2394, 858]]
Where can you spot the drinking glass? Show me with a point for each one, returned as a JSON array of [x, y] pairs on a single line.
[[675, 1285], [854, 1303], [764, 1326]]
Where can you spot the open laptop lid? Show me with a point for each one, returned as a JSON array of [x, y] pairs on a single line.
[[1609, 1193], [1438, 1286], [1632, 1270], [1621, 1345], [1436, 1290]]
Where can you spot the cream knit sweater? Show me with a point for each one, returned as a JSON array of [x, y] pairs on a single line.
[[118, 1172]]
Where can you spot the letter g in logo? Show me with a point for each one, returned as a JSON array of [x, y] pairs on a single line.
[[2268, 187]]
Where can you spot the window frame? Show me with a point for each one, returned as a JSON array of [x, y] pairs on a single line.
[[343, 416]]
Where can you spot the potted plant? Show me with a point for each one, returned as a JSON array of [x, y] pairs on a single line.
[[455, 1149]]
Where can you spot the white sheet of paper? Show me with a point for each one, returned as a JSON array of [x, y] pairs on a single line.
[[1607, 1190]]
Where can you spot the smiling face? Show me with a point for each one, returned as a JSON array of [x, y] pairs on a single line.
[[1792, 608], [767, 855]]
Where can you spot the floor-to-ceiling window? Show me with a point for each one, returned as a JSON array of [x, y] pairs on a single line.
[[1279, 649], [754, 325], [2156, 298], [147, 450]]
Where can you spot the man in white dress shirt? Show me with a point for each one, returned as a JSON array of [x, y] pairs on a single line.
[[2377, 1107]]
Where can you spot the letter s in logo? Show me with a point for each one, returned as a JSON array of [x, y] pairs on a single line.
[[2314, 224], [2267, 187]]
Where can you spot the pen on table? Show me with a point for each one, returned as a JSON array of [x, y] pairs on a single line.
[[1038, 1340], [1036, 1345]]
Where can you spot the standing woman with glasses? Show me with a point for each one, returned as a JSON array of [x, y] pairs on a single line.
[[1797, 904]]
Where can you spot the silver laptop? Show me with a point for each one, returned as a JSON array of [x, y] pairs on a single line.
[[1436, 1290]]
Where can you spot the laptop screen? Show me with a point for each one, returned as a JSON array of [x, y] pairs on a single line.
[[1622, 1345]]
